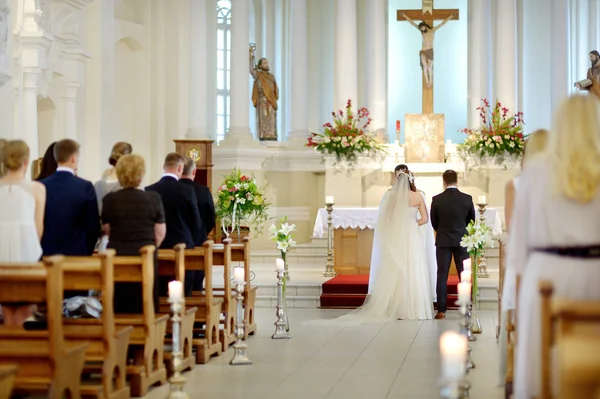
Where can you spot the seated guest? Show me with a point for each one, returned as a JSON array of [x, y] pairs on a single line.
[[71, 222], [184, 225], [110, 182], [206, 207], [554, 230], [132, 218], [21, 219], [49, 164]]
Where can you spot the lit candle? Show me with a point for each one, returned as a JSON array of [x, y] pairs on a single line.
[[482, 200], [280, 264], [464, 292], [467, 264], [465, 275], [175, 290], [397, 126], [329, 199], [238, 274], [453, 347]]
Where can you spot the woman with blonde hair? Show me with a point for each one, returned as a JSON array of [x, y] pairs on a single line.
[[110, 182], [534, 146], [21, 219], [554, 231]]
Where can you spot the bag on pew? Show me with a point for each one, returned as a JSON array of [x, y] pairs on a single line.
[[82, 307]]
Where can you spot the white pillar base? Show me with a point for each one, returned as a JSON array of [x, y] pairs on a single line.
[[238, 136], [298, 138]]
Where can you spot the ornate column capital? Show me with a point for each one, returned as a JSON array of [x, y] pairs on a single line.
[[70, 90]]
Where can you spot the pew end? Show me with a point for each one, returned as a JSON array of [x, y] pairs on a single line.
[[7, 379]]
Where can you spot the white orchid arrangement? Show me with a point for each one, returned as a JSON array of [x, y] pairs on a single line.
[[282, 236], [477, 238]]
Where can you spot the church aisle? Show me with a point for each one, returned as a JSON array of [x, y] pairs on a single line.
[[396, 360]]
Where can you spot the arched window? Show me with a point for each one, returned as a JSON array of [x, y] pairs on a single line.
[[223, 66]]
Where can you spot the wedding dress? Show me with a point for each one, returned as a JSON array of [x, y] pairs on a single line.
[[399, 283]]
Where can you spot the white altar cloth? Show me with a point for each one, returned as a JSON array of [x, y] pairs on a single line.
[[366, 218]]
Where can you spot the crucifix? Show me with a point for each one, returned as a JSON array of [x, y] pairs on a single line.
[[427, 15]]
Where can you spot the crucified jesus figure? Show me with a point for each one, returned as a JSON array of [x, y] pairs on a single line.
[[426, 53]]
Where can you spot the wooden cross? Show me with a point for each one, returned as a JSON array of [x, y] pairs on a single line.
[[428, 15]]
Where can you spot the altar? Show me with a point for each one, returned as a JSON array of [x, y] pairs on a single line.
[[353, 235]]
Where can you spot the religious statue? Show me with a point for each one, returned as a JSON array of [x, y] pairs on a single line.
[[426, 53], [592, 83], [265, 94]]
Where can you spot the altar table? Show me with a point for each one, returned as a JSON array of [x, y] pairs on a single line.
[[353, 235]]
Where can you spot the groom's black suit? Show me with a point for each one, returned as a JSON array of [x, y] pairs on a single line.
[[451, 212]]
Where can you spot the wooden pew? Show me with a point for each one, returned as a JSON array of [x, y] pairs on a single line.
[[241, 253], [208, 307], [171, 264], [222, 257], [148, 336], [108, 343], [46, 363], [7, 379], [574, 328]]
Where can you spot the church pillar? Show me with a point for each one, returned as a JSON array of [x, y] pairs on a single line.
[[31, 77], [299, 70], [198, 71], [69, 98], [375, 66], [480, 40], [506, 51], [267, 26], [559, 59], [240, 72], [346, 53]]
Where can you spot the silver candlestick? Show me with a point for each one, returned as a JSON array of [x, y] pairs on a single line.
[[482, 266], [454, 390], [177, 380], [464, 329], [280, 324], [329, 270], [239, 348]]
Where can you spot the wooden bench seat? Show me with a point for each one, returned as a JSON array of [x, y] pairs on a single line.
[[7, 379], [108, 343], [46, 364], [208, 307], [171, 265]]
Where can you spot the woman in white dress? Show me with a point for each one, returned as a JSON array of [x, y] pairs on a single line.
[[399, 284], [21, 219], [555, 233], [535, 144]]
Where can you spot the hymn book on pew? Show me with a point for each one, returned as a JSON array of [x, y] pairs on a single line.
[[584, 83]]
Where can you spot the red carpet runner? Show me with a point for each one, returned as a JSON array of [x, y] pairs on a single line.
[[350, 291]]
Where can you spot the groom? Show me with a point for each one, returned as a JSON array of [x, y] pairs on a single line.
[[451, 212]]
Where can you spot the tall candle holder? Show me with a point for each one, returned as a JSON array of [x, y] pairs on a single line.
[[329, 270], [464, 329], [482, 266], [177, 380], [281, 323], [239, 348], [454, 390]]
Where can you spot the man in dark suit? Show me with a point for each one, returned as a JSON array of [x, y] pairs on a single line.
[[451, 212], [184, 225], [71, 221], [206, 207]]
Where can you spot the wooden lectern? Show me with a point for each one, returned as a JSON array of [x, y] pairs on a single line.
[[201, 152]]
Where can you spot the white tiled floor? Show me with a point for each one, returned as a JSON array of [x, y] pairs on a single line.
[[397, 360]]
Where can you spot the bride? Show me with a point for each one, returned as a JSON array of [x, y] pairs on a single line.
[[399, 284]]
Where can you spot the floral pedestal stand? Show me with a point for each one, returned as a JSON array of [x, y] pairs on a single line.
[[475, 323]]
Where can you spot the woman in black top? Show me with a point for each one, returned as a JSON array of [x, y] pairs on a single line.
[[132, 218]]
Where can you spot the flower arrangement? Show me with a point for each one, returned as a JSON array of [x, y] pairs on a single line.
[[240, 198], [478, 236], [346, 137], [282, 236], [500, 136]]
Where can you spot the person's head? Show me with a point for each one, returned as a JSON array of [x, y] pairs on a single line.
[[174, 164], [16, 156], [535, 145], [119, 149], [594, 57], [574, 147], [66, 153], [404, 169], [189, 168], [49, 165], [424, 27], [263, 64], [450, 178], [130, 169]]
